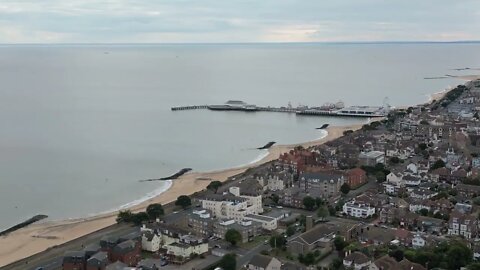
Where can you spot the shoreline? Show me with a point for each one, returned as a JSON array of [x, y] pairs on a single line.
[[42, 235]]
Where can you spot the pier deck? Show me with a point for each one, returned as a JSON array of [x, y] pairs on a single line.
[[380, 112]]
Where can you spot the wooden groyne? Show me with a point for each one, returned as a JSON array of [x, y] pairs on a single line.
[[195, 107], [23, 224], [171, 177]]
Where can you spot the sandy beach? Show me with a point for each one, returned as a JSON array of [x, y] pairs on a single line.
[[38, 237]]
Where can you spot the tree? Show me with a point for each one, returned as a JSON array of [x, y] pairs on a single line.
[[438, 164], [155, 210], [381, 177], [458, 255], [233, 236], [214, 185], [397, 254], [319, 201], [322, 212], [290, 230], [277, 241], [394, 160], [423, 212], [339, 243], [331, 210], [184, 201], [228, 262], [422, 146], [309, 203], [345, 188], [275, 198], [336, 264], [124, 216], [139, 218]]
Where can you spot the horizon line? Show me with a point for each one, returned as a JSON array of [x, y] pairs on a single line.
[[246, 43]]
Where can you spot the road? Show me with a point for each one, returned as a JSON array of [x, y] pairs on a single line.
[[51, 259], [242, 260]]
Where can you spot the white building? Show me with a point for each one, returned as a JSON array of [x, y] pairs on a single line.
[[150, 241], [356, 261], [268, 223], [371, 158], [358, 210], [231, 206]]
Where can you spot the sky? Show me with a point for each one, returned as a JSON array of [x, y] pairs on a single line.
[[236, 21]]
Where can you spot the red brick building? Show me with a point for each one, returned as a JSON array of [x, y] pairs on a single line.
[[356, 177], [298, 159], [127, 252], [74, 260]]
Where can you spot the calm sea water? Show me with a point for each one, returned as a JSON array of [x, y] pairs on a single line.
[[80, 125]]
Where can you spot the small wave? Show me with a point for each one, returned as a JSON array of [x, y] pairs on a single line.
[[264, 153]]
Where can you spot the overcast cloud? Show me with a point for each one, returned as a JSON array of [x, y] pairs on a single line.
[[179, 21]]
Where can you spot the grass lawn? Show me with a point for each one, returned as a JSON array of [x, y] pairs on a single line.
[[256, 241]]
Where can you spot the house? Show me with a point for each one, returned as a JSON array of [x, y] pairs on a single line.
[[268, 223], [262, 262], [358, 209], [404, 237], [355, 178], [430, 225], [127, 252], [98, 261], [186, 247], [376, 236], [322, 184], [249, 229], [371, 158], [200, 222], [462, 224], [74, 260], [389, 263], [319, 237], [150, 241], [293, 197], [468, 190], [357, 261], [150, 264], [118, 265]]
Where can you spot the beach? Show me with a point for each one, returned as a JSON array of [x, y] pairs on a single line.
[[38, 237]]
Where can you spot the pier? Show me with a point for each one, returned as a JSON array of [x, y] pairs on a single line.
[[182, 108], [352, 111]]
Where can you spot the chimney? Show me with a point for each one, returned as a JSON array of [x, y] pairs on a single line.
[[308, 223]]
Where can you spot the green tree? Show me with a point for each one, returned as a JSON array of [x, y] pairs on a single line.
[[423, 212], [438, 164], [319, 201], [458, 255], [381, 177], [184, 201], [124, 216], [394, 160], [275, 198], [473, 266], [228, 262], [233, 237], [290, 230], [336, 264], [322, 212], [277, 241], [331, 210], [339, 243], [155, 210], [139, 218], [345, 188], [309, 203], [422, 146], [214, 186]]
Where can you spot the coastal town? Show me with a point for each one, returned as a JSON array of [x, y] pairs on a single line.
[[400, 193]]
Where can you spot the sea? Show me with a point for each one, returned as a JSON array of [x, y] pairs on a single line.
[[82, 124]]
